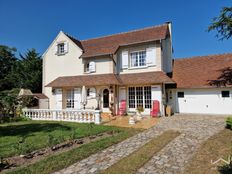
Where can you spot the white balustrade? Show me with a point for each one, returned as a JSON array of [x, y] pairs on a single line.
[[80, 116]]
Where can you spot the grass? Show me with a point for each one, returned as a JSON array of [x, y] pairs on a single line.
[[136, 160], [229, 122], [60, 161], [40, 134], [218, 146]]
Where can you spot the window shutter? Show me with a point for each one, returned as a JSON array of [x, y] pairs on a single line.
[[92, 92], [92, 67], [77, 98], [124, 59], [151, 56], [56, 49], [58, 93], [65, 47]]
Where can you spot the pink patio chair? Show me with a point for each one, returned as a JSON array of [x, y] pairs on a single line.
[[155, 111], [122, 108]]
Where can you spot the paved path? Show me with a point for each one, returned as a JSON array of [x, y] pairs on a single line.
[[171, 159]]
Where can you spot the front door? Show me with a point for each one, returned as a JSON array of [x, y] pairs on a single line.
[[105, 102]]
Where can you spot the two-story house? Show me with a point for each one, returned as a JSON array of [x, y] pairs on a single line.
[[130, 67], [134, 68]]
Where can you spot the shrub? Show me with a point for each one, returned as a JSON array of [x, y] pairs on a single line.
[[229, 122]]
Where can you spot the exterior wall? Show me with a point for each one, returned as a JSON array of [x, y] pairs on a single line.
[[69, 64], [157, 67], [202, 101], [167, 55], [43, 103], [104, 65]]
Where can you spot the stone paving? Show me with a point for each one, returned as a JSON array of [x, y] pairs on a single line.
[[171, 159]]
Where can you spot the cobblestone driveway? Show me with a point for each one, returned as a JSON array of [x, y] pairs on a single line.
[[171, 159]]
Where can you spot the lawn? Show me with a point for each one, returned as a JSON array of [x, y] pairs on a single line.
[[40, 134], [218, 146]]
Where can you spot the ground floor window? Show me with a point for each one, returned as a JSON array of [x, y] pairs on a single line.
[[139, 96], [70, 98]]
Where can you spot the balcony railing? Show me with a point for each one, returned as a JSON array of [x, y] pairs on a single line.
[[80, 116]]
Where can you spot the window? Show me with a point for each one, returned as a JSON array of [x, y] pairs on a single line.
[[86, 67], [225, 94], [147, 96], [70, 99], [88, 92], [139, 96], [180, 94], [60, 48], [138, 59], [131, 97]]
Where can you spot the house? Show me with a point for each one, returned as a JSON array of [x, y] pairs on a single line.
[[135, 67]]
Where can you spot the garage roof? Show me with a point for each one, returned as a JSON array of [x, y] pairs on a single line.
[[203, 71]]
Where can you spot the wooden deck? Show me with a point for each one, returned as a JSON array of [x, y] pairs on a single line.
[[123, 121]]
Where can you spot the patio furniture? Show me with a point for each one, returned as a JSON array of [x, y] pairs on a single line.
[[155, 111], [122, 108]]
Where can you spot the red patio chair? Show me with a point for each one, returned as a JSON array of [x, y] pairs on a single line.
[[122, 108], [155, 111]]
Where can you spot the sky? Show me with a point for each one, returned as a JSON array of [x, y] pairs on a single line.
[[30, 24]]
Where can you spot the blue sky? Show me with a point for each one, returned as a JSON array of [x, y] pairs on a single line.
[[30, 24]]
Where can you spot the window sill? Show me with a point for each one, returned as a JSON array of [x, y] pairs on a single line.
[[138, 67], [60, 54]]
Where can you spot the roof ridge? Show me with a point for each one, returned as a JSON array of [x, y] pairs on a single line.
[[131, 31], [69, 35], [203, 56]]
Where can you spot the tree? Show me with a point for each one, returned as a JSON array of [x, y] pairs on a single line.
[[7, 60], [223, 24], [27, 71]]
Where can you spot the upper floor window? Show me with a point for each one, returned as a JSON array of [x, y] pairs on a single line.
[[86, 67], [138, 59], [89, 67], [60, 48]]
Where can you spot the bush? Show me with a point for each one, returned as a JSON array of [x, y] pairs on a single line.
[[8, 119], [229, 122]]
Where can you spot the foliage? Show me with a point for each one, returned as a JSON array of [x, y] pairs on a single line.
[[223, 24], [140, 109], [27, 72], [224, 79], [8, 102], [7, 60], [229, 122]]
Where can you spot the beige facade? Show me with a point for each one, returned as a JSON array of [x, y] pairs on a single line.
[[72, 64]]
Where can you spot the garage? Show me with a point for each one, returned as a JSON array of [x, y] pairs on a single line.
[[204, 101]]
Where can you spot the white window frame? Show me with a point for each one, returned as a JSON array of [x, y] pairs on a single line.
[[70, 99], [146, 100], [138, 59], [60, 48]]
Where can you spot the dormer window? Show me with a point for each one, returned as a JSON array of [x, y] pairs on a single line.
[[62, 48]]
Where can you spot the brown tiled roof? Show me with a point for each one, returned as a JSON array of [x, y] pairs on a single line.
[[199, 72], [88, 80], [110, 79], [109, 44], [40, 95], [157, 77]]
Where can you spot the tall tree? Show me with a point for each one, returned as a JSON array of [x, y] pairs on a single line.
[[27, 72], [7, 60], [223, 24]]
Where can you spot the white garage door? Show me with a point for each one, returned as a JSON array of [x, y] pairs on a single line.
[[204, 101]]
